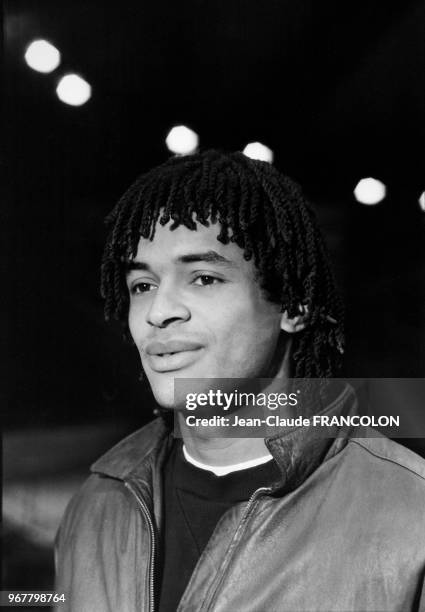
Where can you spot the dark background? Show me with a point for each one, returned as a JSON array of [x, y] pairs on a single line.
[[336, 89]]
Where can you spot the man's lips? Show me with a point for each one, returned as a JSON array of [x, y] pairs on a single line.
[[170, 347], [171, 355]]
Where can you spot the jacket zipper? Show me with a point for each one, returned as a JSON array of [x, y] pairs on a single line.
[[254, 497], [147, 515]]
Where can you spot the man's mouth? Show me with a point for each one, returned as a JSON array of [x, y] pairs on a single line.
[[171, 355], [169, 362], [170, 347]]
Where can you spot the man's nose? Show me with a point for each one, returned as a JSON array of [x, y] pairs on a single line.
[[167, 307]]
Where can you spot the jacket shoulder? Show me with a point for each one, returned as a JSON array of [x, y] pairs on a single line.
[[390, 453], [91, 505]]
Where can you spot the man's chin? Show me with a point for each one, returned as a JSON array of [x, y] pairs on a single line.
[[164, 391], [165, 398], [169, 405]]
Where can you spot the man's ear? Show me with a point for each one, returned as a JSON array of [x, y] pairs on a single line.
[[295, 324]]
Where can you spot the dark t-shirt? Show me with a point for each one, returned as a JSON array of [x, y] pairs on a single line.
[[194, 501]]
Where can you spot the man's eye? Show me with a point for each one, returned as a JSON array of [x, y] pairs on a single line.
[[141, 288], [204, 279]]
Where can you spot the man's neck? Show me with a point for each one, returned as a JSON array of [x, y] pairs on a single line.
[[222, 452], [206, 446]]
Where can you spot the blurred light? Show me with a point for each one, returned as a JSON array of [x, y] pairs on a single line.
[[73, 90], [422, 201], [256, 150], [182, 140], [42, 56], [370, 191]]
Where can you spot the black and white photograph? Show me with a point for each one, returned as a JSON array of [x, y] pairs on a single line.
[[213, 219]]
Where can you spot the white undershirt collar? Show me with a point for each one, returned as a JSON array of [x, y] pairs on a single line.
[[222, 470]]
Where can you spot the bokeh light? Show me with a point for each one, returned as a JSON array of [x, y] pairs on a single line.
[[182, 140], [370, 191], [73, 90], [256, 150], [42, 56]]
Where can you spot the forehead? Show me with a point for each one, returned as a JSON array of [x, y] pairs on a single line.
[[170, 246]]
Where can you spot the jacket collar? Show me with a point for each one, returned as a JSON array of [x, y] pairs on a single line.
[[128, 455], [298, 451]]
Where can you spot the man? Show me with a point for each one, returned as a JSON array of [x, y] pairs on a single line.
[[216, 268]]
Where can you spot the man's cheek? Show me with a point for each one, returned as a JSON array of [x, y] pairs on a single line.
[[137, 327]]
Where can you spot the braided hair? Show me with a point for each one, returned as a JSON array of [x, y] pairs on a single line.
[[257, 208]]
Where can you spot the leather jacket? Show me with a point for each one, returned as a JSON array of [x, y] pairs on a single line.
[[342, 531]]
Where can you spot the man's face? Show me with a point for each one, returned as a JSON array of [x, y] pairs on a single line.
[[197, 310]]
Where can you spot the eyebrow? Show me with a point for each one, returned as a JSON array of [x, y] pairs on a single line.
[[206, 256]]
